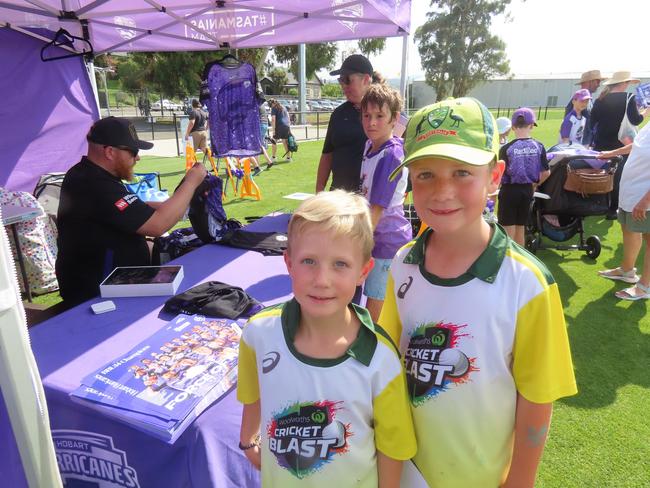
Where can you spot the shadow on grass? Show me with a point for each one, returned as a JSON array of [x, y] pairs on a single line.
[[609, 351]]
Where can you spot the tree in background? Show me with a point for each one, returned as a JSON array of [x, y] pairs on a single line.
[[323, 55], [332, 90], [456, 47], [318, 56], [278, 77], [176, 74], [369, 47]]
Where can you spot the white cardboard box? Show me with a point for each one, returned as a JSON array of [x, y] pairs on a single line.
[[142, 281]]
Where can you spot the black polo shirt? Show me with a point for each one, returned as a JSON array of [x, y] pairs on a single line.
[[345, 140], [97, 222]]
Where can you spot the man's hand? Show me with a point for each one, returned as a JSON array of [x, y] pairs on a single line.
[[196, 174]]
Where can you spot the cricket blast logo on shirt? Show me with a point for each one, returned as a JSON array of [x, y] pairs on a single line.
[[434, 362], [306, 436]]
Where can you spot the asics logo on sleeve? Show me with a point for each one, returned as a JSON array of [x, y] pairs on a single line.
[[270, 361], [404, 287]]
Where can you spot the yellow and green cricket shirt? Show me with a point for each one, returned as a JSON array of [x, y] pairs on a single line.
[[470, 344], [323, 420]]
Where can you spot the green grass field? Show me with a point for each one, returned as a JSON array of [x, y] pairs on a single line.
[[599, 438]]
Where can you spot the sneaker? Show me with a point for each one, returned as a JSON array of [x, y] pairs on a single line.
[[257, 171], [620, 275], [268, 166], [288, 160]]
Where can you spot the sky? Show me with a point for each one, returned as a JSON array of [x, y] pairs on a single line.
[[551, 37]]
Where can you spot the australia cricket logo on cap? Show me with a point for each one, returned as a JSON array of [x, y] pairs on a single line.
[[307, 436], [436, 117], [434, 362], [90, 459]]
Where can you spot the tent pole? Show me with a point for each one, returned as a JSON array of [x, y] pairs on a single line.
[[90, 68], [404, 77], [302, 82]]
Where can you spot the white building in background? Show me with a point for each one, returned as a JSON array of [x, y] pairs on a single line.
[[522, 91]]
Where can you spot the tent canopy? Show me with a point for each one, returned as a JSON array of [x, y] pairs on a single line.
[[50, 133], [194, 25]]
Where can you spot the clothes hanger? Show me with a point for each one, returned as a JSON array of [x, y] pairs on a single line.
[[63, 38], [229, 61]]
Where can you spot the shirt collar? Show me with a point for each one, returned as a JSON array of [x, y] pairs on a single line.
[[486, 267], [362, 349]]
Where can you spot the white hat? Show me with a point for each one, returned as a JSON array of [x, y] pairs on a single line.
[[621, 77], [503, 125]]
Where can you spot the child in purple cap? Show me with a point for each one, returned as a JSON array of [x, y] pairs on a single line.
[[526, 167], [574, 123]]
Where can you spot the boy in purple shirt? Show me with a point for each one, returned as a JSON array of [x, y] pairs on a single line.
[[573, 125], [526, 167], [383, 153]]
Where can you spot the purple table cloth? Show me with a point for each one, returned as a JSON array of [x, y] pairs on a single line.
[[96, 449]]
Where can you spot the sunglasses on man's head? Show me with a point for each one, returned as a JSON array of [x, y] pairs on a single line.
[[346, 79], [134, 152]]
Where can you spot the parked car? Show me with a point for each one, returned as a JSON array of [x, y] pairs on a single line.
[[315, 105], [167, 105]]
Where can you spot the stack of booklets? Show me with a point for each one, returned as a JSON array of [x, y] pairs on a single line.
[[162, 384]]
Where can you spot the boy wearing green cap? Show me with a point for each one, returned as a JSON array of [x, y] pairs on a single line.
[[478, 319]]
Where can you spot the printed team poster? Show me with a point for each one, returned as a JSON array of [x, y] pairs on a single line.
[[177, 372]]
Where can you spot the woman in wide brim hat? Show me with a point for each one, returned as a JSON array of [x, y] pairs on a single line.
[[621, 77], [607, 115]]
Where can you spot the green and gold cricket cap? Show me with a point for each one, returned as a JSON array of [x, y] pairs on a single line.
[[462, 129]]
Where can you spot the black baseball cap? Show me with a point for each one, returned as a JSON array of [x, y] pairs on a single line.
[[356, 63], [116, 132]]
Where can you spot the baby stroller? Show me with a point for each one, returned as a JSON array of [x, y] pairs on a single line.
[[559, 206]]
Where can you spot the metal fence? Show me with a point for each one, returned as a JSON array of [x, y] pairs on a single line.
[[166, 124]]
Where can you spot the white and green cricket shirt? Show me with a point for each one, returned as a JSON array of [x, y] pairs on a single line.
[[324, 419], [469, 345]]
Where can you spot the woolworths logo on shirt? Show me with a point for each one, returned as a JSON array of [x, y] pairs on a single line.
[[434, 361], [306, 437]]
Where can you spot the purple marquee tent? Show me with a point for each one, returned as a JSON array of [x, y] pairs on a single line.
[[44, 129], [193, 25]]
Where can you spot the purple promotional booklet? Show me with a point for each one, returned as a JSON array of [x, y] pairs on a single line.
[[643, 95], [167, 380]]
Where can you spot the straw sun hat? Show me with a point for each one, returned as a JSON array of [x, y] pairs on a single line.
[[594, 74], [621, 77]]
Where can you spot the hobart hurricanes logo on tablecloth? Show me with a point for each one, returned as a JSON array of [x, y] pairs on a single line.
[[91, 457], [306, 436]]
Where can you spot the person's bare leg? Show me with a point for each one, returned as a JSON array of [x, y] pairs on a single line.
[[510, 230], [374, 306], [274, 149], [642, 287], [631, 247], [286, 148], [520, 235], [645, 273], [266, 155]]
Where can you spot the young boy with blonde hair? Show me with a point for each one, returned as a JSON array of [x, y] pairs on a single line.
[[383, 153], [323, 387], [478, 319]]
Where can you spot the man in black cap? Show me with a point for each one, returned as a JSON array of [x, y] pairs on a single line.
[[345, 139], [101, 224]]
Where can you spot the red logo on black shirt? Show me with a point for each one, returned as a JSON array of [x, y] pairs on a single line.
[[121, 204]]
